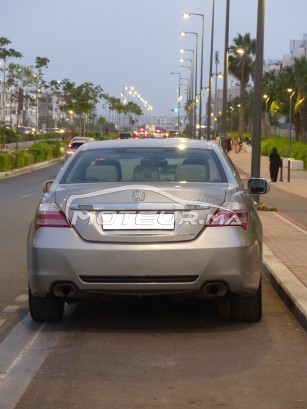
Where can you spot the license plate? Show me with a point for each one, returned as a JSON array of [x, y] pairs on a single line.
[[138, 221]]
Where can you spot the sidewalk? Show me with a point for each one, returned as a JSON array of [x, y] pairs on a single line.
[[285, 244]]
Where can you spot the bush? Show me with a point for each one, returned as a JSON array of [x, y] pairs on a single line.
[[29, 158], [5, 162], [7, 135], [20, 159], [41, 151], [297, 150], [58, 147]]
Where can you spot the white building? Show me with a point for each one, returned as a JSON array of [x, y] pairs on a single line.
[[32, 108]]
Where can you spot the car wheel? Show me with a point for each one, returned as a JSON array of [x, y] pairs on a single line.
[[46, 309], [248, 308]]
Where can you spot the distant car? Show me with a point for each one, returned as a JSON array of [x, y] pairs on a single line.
[[124, 135], [54, 130], [147, 217], [74, 144], [25, 129]]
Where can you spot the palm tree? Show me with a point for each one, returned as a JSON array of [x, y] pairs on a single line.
[[6, 53], [295, 77], [242, 66], [40, 63], [271, 81]]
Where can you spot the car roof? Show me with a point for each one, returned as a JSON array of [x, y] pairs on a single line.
[[143, 143], [81, 139]]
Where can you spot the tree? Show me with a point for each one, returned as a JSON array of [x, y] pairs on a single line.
[[295, 77], [81, 99], [40, 63], [115, 104], [19, 77], [242, 66], [271, 89], [6, 53]]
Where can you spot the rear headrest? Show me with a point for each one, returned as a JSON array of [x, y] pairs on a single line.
[[192, 173], [146, 173], [108, 162], [105, 173]]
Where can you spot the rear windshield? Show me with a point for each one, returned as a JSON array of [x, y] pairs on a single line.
[[75, 145], [145, 165]]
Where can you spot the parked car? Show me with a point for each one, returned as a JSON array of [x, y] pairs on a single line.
[[74, 144], [25, 129], [147, 217], [124, 135]]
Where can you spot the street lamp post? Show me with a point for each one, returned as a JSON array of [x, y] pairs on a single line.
[[225, 81], [216, 57], [201, 65], [188, 94], [191, 73], [178, 102], [210, 74], [217, 75], [231, 111], [183, 33], [192, 88], [256, 151], [266, 97], [291, 92]]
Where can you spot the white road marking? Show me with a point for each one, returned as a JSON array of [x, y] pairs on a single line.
[[22, 298], [24, 196], [10, 308], [22, 353]]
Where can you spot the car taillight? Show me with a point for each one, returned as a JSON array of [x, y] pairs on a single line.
[[70, 151], [229, 214], [50, 215]]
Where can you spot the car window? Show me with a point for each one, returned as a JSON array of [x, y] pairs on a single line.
[[124, 135], [145, 165], [75, 145]]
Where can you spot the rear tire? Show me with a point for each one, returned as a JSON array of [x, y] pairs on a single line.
[[46, 309], [248, 308]]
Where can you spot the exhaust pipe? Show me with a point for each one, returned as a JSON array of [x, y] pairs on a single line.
[[65, 290], [215, 289]]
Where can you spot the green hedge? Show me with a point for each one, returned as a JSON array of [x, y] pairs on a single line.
[[5, 162], [297, 150], [41, 152], [20, 159]]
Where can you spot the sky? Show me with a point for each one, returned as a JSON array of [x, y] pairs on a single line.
[[125, 43]]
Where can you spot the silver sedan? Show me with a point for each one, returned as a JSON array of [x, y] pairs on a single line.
[[147, 217]]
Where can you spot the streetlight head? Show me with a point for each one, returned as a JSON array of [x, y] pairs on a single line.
[[186, 15], [289, 89], [240, 51], [182, 33]]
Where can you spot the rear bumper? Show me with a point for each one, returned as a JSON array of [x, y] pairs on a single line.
[[182, 267]]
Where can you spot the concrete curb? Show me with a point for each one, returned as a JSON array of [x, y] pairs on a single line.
[[289, 288], [30, 168]]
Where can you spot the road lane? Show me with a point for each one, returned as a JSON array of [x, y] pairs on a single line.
[[140, 353], [19, 197]]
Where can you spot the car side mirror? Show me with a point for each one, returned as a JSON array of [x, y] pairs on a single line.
[[258, 186], [47, 186]]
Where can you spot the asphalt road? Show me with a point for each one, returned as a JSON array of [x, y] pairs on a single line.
[[141, 353]]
